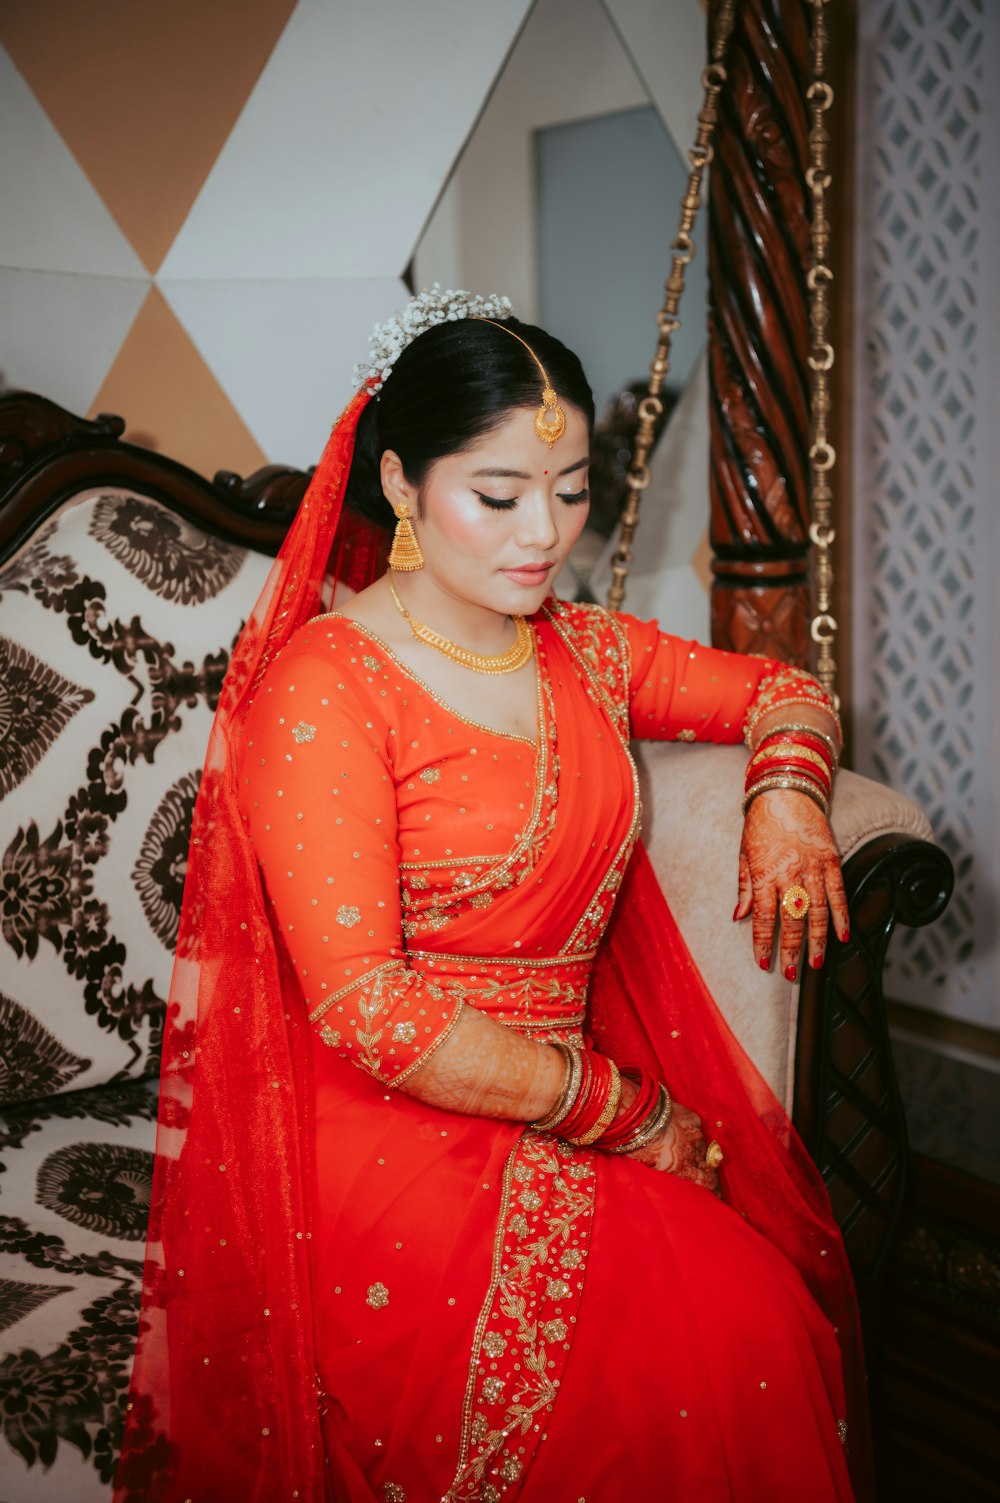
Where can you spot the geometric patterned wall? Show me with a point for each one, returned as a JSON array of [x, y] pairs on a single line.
[[927, 566], [206, 207]]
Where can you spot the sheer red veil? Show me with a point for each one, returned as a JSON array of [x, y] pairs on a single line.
[[223, 1399]]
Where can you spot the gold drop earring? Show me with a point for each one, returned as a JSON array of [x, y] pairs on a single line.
[[405, 553]]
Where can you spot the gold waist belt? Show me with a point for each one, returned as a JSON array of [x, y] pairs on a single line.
[[547, 993]]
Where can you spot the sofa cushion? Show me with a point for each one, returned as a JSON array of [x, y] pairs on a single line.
[[74, 1199], [117, 622]]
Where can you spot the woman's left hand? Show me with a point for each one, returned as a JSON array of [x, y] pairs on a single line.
[[787, 842]]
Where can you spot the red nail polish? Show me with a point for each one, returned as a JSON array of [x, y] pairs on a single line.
[[736, 912], [790, 973], [765, 962], [817, 961], [845, 935]]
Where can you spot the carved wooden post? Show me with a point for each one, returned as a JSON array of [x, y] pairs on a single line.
[[758, 256]]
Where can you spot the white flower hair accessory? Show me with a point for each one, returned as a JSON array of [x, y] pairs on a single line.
[[430, 307]]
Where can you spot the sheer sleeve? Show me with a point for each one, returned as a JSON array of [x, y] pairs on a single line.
[[318, 799], [682, 691]]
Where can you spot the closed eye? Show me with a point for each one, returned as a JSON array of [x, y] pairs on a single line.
[[577, 498], [496, 502]]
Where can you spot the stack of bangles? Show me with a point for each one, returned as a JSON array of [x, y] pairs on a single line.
[[586, 1111], [793, 756]]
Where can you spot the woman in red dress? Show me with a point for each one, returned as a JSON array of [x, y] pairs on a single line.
[[491, 1265]]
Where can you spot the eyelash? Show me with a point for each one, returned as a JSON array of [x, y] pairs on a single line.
[[497, 504]]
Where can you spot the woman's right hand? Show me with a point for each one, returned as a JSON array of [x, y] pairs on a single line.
[[680, 1149]]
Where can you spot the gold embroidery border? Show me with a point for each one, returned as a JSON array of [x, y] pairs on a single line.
[[369, 1011], [580, 1201], [345, 991], [631, 835], [487, 960]]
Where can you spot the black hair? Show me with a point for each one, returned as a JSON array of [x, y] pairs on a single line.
[[452, 385]]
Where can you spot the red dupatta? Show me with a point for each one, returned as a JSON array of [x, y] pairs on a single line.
[[223, 1397]]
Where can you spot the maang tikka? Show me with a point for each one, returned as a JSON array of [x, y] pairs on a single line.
[[405, 553], [550, 420]]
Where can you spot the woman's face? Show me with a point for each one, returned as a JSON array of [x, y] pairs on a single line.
[[497, 520]]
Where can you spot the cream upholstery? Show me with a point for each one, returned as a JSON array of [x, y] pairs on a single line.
[[691, 826]]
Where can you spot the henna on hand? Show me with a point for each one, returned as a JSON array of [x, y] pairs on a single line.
[[787, 841], [487, 1070], [680, 1149]]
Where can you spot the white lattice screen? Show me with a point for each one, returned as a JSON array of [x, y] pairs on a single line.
[[926, 532]]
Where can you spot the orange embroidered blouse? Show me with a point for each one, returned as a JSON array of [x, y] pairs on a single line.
[[387, 825]]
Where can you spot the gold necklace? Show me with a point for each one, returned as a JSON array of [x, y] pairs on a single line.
[[505, 662]]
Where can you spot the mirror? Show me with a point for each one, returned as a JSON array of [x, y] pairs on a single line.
[[566, 198]]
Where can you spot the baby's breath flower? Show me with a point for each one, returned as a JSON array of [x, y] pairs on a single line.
[[430, 307]]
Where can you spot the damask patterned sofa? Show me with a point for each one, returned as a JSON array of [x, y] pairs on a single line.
[[124, 580]]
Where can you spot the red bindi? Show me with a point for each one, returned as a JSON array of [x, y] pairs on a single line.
[[545, 472]]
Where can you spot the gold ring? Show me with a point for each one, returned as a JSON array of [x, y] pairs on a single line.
[[795, 902], [714, 1154]]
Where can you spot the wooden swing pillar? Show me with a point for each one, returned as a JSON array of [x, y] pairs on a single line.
[[758, 337]]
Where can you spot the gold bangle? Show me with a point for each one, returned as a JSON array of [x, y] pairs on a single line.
[[796, 785], [798, 699], [804, 775], [609, 1113], [791, 749], [798, 725], [566, 1100]]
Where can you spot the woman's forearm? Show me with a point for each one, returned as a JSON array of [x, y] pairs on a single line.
[[811, 715], [488, 1070]]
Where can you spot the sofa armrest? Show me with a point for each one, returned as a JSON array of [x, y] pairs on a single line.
[[822, 1043]]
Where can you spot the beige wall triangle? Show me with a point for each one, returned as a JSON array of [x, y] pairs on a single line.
[[144, 95], [170, 400]]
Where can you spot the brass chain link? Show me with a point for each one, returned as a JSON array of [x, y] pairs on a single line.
[[822, 455], [651, 407]]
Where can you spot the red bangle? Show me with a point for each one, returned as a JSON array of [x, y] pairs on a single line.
[[769, 766], [627, 1124], [809, 743], [593, 1096]]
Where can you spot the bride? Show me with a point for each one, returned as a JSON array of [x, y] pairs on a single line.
[[464, 1191]]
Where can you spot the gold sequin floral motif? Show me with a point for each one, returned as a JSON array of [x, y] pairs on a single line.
[[404, 1033], [329, 1035], [373, 665], [348, 916], [480, 1428], [304, 732], [377, 1296], [494, 1345], [555, 1330], [492, 1389], [394, 1493], [430, 775]]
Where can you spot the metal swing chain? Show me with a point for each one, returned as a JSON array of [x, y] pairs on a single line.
[[822, 455], [651, 407]]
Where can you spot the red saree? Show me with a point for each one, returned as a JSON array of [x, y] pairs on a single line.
[[354, 1296]]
